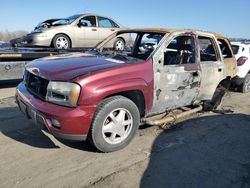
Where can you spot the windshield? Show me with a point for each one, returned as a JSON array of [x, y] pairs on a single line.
[[66, 21], [130, 45]]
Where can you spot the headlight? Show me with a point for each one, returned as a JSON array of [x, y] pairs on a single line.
[[42, 35], [63, 93]]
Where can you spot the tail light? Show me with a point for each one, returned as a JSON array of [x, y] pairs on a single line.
[[242, 60]]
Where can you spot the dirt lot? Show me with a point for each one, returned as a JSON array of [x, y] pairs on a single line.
[[211, 150]]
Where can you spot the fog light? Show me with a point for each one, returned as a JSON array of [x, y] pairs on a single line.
[[55, 123]]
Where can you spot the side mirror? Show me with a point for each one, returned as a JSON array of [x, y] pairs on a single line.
[[82, 24]]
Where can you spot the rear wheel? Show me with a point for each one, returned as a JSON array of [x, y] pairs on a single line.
[[61, 41], [119, 44], [219, 93], [246, 84], [115, 124]]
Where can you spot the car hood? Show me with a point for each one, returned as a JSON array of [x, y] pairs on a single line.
[[50, 28], [69, 66]]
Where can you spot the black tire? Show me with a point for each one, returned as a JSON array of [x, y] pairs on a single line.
[[219, 93], [246, 84], [106, 107], [119, 44], [64, 37]]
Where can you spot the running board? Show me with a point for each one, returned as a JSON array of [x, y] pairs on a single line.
[[168, 118]]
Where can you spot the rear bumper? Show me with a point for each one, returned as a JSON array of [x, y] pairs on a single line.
[[74, 122]]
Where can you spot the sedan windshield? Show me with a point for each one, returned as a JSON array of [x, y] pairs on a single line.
[[131, 45]]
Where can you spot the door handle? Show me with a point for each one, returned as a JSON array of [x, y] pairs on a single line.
[[94, 29], [112, 29]]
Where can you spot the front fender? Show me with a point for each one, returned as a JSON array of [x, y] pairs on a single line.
[[95, 96], [99, 85]]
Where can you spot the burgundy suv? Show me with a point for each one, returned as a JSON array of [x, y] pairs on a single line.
[[103, 94]]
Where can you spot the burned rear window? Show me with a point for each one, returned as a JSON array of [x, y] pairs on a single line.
[[225, 49], [207, 50]]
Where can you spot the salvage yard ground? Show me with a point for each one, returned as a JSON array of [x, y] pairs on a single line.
[[212, 150]]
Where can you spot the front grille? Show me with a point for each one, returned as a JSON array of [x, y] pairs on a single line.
[[36, 85]]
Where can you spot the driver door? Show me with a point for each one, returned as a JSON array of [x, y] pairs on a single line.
[[177, 74]]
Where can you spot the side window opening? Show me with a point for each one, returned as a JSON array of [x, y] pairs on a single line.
[[181, 50], [236, 49], [114, 24], [89, 21], [105, 22], [226, 52], [147, 43], [207, 51]]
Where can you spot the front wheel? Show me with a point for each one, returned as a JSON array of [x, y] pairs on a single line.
[[246, 84], [61, 41], [115, 124]]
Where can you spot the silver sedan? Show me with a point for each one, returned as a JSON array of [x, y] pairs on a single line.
[[85, 30]]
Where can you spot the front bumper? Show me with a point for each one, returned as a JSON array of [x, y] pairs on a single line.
[[74, 122], [37, 40]]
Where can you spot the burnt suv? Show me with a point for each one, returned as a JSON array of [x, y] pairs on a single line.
[[103, 94]]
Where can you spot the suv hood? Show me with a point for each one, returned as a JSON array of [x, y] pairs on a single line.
[[69, 66]]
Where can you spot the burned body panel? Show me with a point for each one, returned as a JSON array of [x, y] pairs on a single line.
[[212, 67], [228, 56], [177, 84]]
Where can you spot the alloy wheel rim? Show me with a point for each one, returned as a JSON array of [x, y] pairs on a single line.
[[62, 43], [117, 126], [119, 45]]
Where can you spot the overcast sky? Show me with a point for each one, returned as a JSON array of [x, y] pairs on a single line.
[[228, 17]]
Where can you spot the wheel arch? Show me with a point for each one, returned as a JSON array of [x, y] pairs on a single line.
[[136, 96], [122, 39]]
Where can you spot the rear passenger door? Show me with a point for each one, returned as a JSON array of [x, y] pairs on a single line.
[[212, 67], [230, 62], [177, 75], [106, 27]]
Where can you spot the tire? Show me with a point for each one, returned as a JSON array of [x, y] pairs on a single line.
[[246, 84], [61, 41], [119, 44], [107, 131], [219, 93]]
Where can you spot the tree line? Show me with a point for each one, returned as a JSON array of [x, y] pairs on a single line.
[[8, 35]]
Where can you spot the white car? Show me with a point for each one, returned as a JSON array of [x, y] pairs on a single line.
[[242, 54], [77, 31]]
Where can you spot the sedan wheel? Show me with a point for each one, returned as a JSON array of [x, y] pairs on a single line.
[[119, 44], [61, 41]]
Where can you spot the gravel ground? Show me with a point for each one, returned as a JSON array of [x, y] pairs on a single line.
[[212, 150]]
